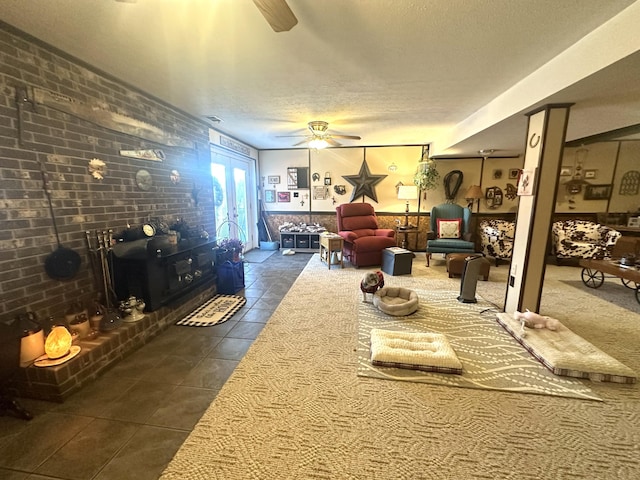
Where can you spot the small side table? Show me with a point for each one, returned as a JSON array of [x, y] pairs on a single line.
[[328, 245], [405, 232]]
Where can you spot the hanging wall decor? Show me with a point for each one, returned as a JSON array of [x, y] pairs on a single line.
[[452, 182], [97, 168], [364, 183], [269, 196], [630, 183], [284, 197], [493, 197], [292, 178], [99, 115]]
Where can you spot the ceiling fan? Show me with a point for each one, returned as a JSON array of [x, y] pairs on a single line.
[[319, 137], [278, 14]]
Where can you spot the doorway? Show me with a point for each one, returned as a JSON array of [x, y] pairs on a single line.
[[234, 196]]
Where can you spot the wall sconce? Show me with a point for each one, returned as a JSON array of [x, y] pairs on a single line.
[[407, 192], [474, 194]]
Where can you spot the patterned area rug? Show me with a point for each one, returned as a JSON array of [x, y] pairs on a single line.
[[295, 408], [217, 310], [491, 358]]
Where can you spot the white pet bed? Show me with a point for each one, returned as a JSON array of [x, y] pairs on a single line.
[[565, 353], [426, 351], [396, 301]]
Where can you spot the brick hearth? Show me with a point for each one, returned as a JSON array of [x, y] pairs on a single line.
[[100, 353]]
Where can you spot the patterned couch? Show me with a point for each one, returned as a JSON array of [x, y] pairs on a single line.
[[582, 239], [496, 237]]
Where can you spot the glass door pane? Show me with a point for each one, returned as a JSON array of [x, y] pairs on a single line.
[[236, 208]]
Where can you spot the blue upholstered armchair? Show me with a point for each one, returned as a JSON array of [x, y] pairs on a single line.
[[449, 230]]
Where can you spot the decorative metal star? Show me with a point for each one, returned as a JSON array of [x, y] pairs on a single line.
[[364, 183]]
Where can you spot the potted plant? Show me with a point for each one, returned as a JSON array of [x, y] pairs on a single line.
[[232, 245], [426, 177]]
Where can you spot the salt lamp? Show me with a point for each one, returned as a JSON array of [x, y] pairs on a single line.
[[58, 342]]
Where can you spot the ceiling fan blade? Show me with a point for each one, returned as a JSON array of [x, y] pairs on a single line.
[[332, 142], [352, 137], [300, 143], [290, 136], [278, 14]]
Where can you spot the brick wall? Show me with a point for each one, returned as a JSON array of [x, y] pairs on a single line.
[[65, 143]]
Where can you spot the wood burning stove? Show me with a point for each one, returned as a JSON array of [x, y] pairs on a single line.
[[159, 272]]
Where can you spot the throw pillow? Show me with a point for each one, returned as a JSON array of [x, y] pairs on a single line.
[[449, 228]]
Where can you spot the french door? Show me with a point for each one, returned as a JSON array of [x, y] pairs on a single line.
[[234, 192]]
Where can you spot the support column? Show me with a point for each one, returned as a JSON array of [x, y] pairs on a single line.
[[543, 157]]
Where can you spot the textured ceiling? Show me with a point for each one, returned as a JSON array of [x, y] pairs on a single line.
[[391, 71]]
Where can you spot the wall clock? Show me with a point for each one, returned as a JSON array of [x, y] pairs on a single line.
[[144, 180]]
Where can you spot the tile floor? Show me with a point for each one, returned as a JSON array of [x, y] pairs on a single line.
[[129, 423]]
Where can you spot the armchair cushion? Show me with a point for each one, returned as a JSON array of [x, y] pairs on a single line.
[[449, 228]]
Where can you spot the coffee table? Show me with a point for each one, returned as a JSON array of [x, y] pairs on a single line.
[[593, 274]]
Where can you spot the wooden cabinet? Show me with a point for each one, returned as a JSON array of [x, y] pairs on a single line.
[[300, 241]]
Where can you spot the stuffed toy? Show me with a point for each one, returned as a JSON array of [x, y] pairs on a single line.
[[530, 319], [370, 283]]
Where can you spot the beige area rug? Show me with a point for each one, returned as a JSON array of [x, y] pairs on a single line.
[[612, 290], [490, 357], [296, 409]]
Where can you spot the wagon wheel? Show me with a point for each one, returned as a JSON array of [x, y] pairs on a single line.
[[592, 278], [630, 284]]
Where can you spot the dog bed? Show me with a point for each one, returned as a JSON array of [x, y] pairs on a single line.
[[426, 351], [565, 353], [396, 301]]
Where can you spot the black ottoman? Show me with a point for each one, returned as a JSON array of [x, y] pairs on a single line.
[[397, 261]]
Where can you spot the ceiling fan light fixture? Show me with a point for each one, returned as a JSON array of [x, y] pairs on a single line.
[[318, 128], [318, 143]]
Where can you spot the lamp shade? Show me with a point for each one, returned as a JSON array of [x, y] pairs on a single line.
[[474, 193], [407, 192]]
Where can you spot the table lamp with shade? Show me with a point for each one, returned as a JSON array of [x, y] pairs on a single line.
[[407, 192], [474, 194]]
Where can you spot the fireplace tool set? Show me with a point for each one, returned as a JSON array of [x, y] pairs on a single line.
[[101, 266]]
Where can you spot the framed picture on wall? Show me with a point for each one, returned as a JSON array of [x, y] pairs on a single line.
[[273, 179], [513, 173], [566, 171], [590, 174], [269, 196], [597, 192], [292, 178], [526, 182], [284, 197]]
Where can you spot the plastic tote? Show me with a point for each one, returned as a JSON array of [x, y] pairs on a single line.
[[230, 277]]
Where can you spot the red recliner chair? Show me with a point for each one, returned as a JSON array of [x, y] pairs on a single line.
[[363, 240]]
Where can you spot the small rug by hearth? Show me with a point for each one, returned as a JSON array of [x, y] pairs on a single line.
[[217, 310]]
